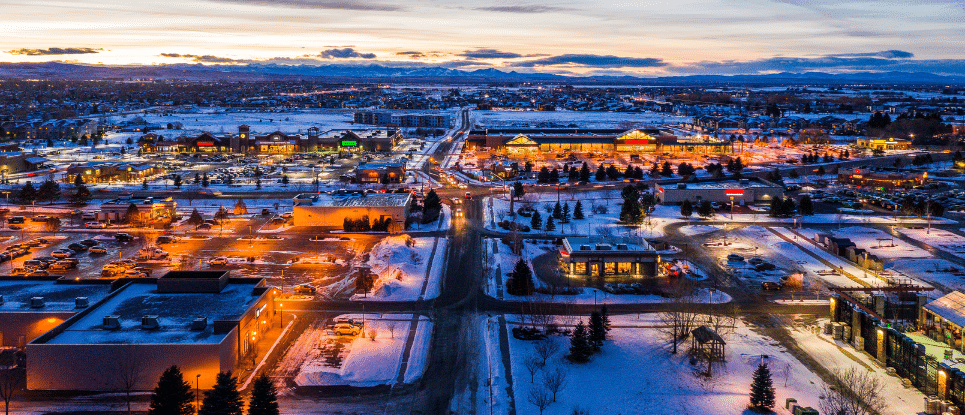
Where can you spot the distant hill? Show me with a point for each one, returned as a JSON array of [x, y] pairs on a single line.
[[381, 73]]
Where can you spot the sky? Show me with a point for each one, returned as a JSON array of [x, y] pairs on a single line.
[[605, 37]]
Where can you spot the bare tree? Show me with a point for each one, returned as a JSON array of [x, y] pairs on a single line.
[[539, 397], [545, 349], [541, 316], [129, 371], [10, 382], [532, 366], [853, 392], [554, 381], [373, 334], [579, 411], [679, 320], [391, 327]]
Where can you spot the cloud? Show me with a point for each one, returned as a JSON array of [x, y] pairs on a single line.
[[53, 51], [206, 58], [344, 53], [321, 4], [887, 54], [588, 60], [524, 8], [489, 54], [412, 54]]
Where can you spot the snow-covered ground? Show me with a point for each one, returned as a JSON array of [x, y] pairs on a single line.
[[878, 243], [835, 355], [759, 241], [691, 230], [400, 264], [361, 361], [636, 374], [937, 271], [938, 238]]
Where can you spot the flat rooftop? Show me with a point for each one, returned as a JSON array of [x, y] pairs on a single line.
[[750, 184], [175, 311], [58, 297], [353, 199], [587, 244]]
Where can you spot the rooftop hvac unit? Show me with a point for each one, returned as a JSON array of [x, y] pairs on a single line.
[[681, 185], [622, 247], [149, 323], [81, 302], [36, 302], [111, 322], [199, 324], [1, 300]]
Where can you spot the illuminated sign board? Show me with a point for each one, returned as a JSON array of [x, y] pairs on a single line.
[[734, 192], [205, 143], [347, 143]]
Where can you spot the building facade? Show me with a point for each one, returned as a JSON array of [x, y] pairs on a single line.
[[639, 141], [331, 210], [584, 257], [744, 192], [882, 178]]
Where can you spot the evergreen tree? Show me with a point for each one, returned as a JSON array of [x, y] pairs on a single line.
[[204, 181], [27, 194], [284, 180], [666, 170], [597, 330], [705, 209], [821, 171], [557, 211], [82, 195], [686, 208], [432, 202], [550, 226], [197, 178], [543, 176], [536, 223], [224, 398], [79, 180], [554, 176], [133, 215], [264, 397], [580, 347], [565, 215], [584, 172], [521, 280], [606, 318], [144, 184], [578, 211], [775, 210], [177, 181], [195, 219], [762, 389], [600, 174], [806, 206], [788, 207], [518, 190], [172, 395], [258, 183], [49, 191]]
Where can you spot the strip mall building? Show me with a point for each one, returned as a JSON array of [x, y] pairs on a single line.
[[638, 141]]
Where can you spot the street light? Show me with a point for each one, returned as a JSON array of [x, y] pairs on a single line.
[[197, 393]]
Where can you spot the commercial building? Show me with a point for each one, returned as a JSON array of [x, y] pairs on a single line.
[[203, 321], [638, 141], [380, 172], [325, 209], [150, 208], [379, 140], [18, 162], [110, 172], [743, 192], [32, 306], [882, 178], [610, 258], [883, 143], [406, 120]]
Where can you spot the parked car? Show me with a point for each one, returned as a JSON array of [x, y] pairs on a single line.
[[62, 253], [346, 329], [40, 218], [37, 273], [218, 261], [95, 225], [734, 257], [77, 247], [765, 266], [20, 272], [204, 226], [123, 237], [97, 250], [755, 261], [61, 266], [16, 219], [88, 242], [35, 264], [770, 286], [166, 239]]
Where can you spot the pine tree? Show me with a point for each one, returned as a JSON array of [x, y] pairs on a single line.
[[82, 195], [600, 174], [578, 210], [557, 211], [264, 397], [79, 180], [536, 223], [580, 348], [585, 173], [606, 318], [550, 226], [521, 279], [284, 180], [177, 181], [224, 398], [195, 219], [705, 209], [205, 182], [686, 208], [762, 389], [172, 395], [806, 206], [565, 215], [49, 191], [27, 194], [597, 330]]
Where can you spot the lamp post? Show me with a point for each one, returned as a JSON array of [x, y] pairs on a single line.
[[197, 393], [732, 208]]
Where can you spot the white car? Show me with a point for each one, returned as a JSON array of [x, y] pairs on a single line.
[[62, 253], [95, 225]]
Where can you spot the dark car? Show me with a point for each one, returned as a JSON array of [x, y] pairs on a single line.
[[166, 239], [77, 247], [88, 242], [123, 237], [766, 266], [770, 286]]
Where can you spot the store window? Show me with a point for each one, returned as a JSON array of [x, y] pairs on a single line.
[[624, 267]]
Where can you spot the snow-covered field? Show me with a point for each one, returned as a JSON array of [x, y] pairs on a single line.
[[636, 374], [564, 119], [878, 242], [691, 230], [782, 253], [938, 238], [227, 120], [361, 361], [400, 263], [937, 271]]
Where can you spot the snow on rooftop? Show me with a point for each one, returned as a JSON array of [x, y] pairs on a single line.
[[353, 199], [175, 311], [951, 307], [57, 297]]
